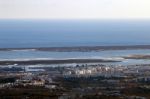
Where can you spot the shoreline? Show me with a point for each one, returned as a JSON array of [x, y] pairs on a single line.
[[138, 57], [79, 48], [65, 61]]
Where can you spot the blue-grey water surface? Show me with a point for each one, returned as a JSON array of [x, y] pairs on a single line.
[[58, 33]]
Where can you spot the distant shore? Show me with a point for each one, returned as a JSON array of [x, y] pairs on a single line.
[[80, 48], [64, 61], [137, 57]]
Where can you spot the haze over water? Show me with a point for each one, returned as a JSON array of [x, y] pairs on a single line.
[[50, 33], [60, 33]]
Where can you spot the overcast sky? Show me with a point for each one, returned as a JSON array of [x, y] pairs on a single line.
[[75, 9]]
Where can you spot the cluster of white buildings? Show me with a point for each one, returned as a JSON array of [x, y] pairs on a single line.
[[100, 70], [95, 70]]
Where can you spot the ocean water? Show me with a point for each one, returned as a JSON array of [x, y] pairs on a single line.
[[60, 33], [49, 33]]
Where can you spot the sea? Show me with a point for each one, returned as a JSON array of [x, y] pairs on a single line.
[[71, 33]]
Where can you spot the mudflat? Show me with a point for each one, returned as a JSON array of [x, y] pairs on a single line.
[[34, 62]]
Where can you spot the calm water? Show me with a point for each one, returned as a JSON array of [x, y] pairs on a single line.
[[47, 33], [50, 33], [42, 55], [64, 55]]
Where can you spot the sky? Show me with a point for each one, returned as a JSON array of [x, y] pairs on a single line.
[[74, 9]]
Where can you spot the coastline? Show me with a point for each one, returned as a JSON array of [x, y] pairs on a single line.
[[79, 48], [137, 57], [64, 61]]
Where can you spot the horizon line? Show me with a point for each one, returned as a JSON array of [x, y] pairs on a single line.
[[140, 19]]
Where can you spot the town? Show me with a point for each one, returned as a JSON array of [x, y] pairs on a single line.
[[82, 81]]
